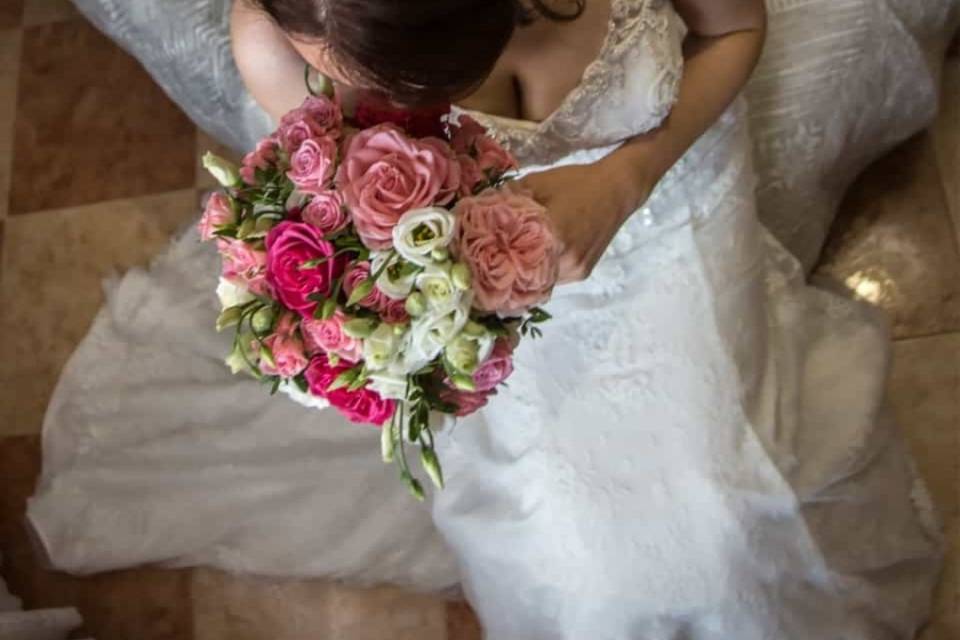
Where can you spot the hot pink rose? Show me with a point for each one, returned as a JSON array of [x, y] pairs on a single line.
[[327, 336], [392, 311], [361, 406], [465, 134], [313, 164], [217, 213], [289, 246], [492, 158], [507, 241], [317, 117], [495, 369], [287, 349], [466, 402], [261, 158], [244, 265], [384, 174], [326, 211]]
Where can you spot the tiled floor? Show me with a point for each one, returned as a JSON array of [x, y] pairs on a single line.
[[78, 157]]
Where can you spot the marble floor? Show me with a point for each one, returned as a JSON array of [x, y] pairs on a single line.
[[95, 180]]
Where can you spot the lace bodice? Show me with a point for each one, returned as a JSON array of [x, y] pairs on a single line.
[[629, 89]]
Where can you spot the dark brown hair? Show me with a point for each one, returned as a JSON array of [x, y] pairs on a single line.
[[414, 50]]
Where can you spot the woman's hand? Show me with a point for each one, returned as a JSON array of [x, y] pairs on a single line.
[[587, 204]]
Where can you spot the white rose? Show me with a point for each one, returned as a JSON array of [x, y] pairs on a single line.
[[232, 295], [438, 287], [390, 382], [381, 346], [422, 231], [396, 281], [430, 333]]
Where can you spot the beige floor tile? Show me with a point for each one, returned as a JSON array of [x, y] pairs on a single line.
[[9, 66], [893, 242], [946, 134], [52, 287], [206, 143], [248, 608], [45, 11], [925, 392]]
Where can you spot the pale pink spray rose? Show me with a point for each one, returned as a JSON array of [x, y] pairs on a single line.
[[262, 157], [495, 369], [471, 177], [312, 165], [243, 265], [327, 336], [384, 174], [465, 134], [507, 241], [217, 213], [492, 158], [317, 117], [327, 212], [291, 246], [287, 349], [466, 402]]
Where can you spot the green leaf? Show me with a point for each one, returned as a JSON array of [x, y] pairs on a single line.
[[229, 317], [345, 378], [363, 289], [302, 384], [328, 309]]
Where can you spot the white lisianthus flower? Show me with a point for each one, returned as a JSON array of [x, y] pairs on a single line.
[[437, 285], [431, 332], [469, 350], [396, 282], [419, 232], [381, 347], [232, 294], [390, 382]]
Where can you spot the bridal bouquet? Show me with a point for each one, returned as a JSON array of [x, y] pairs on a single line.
[[383, 272]]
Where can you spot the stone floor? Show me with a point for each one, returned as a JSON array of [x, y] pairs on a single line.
[[79, 158]]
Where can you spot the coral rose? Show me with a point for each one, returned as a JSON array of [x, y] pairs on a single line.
[[507, 242]]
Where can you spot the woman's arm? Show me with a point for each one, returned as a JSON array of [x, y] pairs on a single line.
[[726, 38], [588, 204], [270, 67]]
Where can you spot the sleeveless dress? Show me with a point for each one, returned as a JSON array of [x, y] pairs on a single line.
[[697, 448]]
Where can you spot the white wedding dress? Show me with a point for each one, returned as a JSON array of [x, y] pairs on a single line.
[[697, 448]]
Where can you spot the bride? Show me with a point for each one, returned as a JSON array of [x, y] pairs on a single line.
[[697, 448]]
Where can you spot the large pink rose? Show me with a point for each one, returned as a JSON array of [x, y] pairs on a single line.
[[466, 402], [243, 265], [289, 246], [363, 406], [317, 117], [495, 369], [384, 174], [507, 241], [327, 336], [312, 165], [287, 349], [217, 213], [263, 157], [326, 212], [392, 311]]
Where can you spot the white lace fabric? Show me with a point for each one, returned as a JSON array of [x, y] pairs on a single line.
[[697, 448]]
